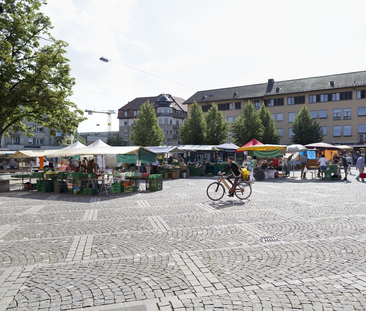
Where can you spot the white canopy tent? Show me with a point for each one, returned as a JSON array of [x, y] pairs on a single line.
[[197, 148], [228, 146]]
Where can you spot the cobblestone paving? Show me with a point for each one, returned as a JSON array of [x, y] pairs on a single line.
[[294, 245]]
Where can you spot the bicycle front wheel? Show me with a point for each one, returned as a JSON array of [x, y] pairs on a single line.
[[215, 191], [243, 190]]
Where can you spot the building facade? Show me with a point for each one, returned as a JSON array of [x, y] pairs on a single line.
[[42, 139], [170, 112], [337, 102]]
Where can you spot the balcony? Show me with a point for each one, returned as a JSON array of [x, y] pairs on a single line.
[[164, 114]]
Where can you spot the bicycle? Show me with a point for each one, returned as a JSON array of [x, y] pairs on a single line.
[[215, 191]]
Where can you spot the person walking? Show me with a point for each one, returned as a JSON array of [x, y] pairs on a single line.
[[322, 164], [303, 161], [349, 159], [203, 165], [345, 166], [360, 165], [235, 173], [250, 167]]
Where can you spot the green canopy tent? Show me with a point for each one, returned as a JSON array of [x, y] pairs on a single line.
[[267, 154], [142, 154]]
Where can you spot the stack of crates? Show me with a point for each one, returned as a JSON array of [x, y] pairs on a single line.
[[117, 187], [45, 186], [61, 175], [90, 191], [156, 182]]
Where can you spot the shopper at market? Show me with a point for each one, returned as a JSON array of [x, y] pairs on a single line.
[[155, 166], [345, 166], [336, 159], [12, 163], [235, 173], [89, 167], [322, 164], [203, 165], [303, 161], [349, 159], [360, 165], [250, 167]]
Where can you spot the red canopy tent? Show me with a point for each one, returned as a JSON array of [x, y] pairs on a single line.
[[252, 143]]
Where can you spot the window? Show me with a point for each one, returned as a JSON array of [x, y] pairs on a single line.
[[291, 117], [161, 121], [296, 100], [324, 130], [312, 99], [280, 132], [314, 114], [30, 141], [40, 141], [230, 119], [257, 104], [361, 128], [126, 133], [279, 117], [274, 102], [324, 97], [290, 133], [335, 97], [323, 114], [337, 130], [125, 123], [178, 113], [273, 116], [228, 106], [205, 108], [39, 128], [347, 114], [238, 105], [361, 111], [361, 94], [125, 113], [135, 113], [166, 121], [347, 130], [15, 140], [346, 95], [336, 114]]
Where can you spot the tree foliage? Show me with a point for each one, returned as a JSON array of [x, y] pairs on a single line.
[[35, 82], [217, 126], [247, 126], [193, 131], [115, 141], [146, 130], [270, 133], [305, 129]]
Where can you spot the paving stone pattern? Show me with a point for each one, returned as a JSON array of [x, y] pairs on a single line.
[[294, 245]]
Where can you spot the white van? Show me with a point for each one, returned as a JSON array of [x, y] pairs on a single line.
[[36, 167]]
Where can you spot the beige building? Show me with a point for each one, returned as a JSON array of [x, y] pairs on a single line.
[[338, 102], [170, 112]]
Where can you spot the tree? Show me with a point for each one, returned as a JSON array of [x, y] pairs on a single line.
[[305, 129], [193, 131], [115, 141], [146, 130], [35, 82], [217, 127], [270, 134], [247, 126], [81, 139]]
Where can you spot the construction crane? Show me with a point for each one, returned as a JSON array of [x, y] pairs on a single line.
[[107, 112]]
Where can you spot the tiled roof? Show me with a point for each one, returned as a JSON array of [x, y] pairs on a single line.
[[271, 88], [138, 101]]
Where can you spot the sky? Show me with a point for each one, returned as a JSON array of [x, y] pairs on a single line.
[[200, 45]]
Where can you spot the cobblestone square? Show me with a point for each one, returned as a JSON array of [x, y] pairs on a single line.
[[294, 245]]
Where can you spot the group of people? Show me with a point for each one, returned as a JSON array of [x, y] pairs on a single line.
[[83, 166]]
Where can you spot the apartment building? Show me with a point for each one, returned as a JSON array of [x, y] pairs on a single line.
[[337, 102], [41, 139], [170, 112]]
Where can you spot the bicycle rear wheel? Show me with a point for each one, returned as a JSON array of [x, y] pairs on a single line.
[[215, 191], [243, 190]]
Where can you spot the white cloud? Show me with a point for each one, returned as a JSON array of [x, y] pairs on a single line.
[[204, 44]]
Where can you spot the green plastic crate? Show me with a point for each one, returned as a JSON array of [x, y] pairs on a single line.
[[90, 191], [130, 189], [37, 175]]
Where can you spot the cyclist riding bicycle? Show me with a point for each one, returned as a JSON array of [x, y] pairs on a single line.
[[235, 173]]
